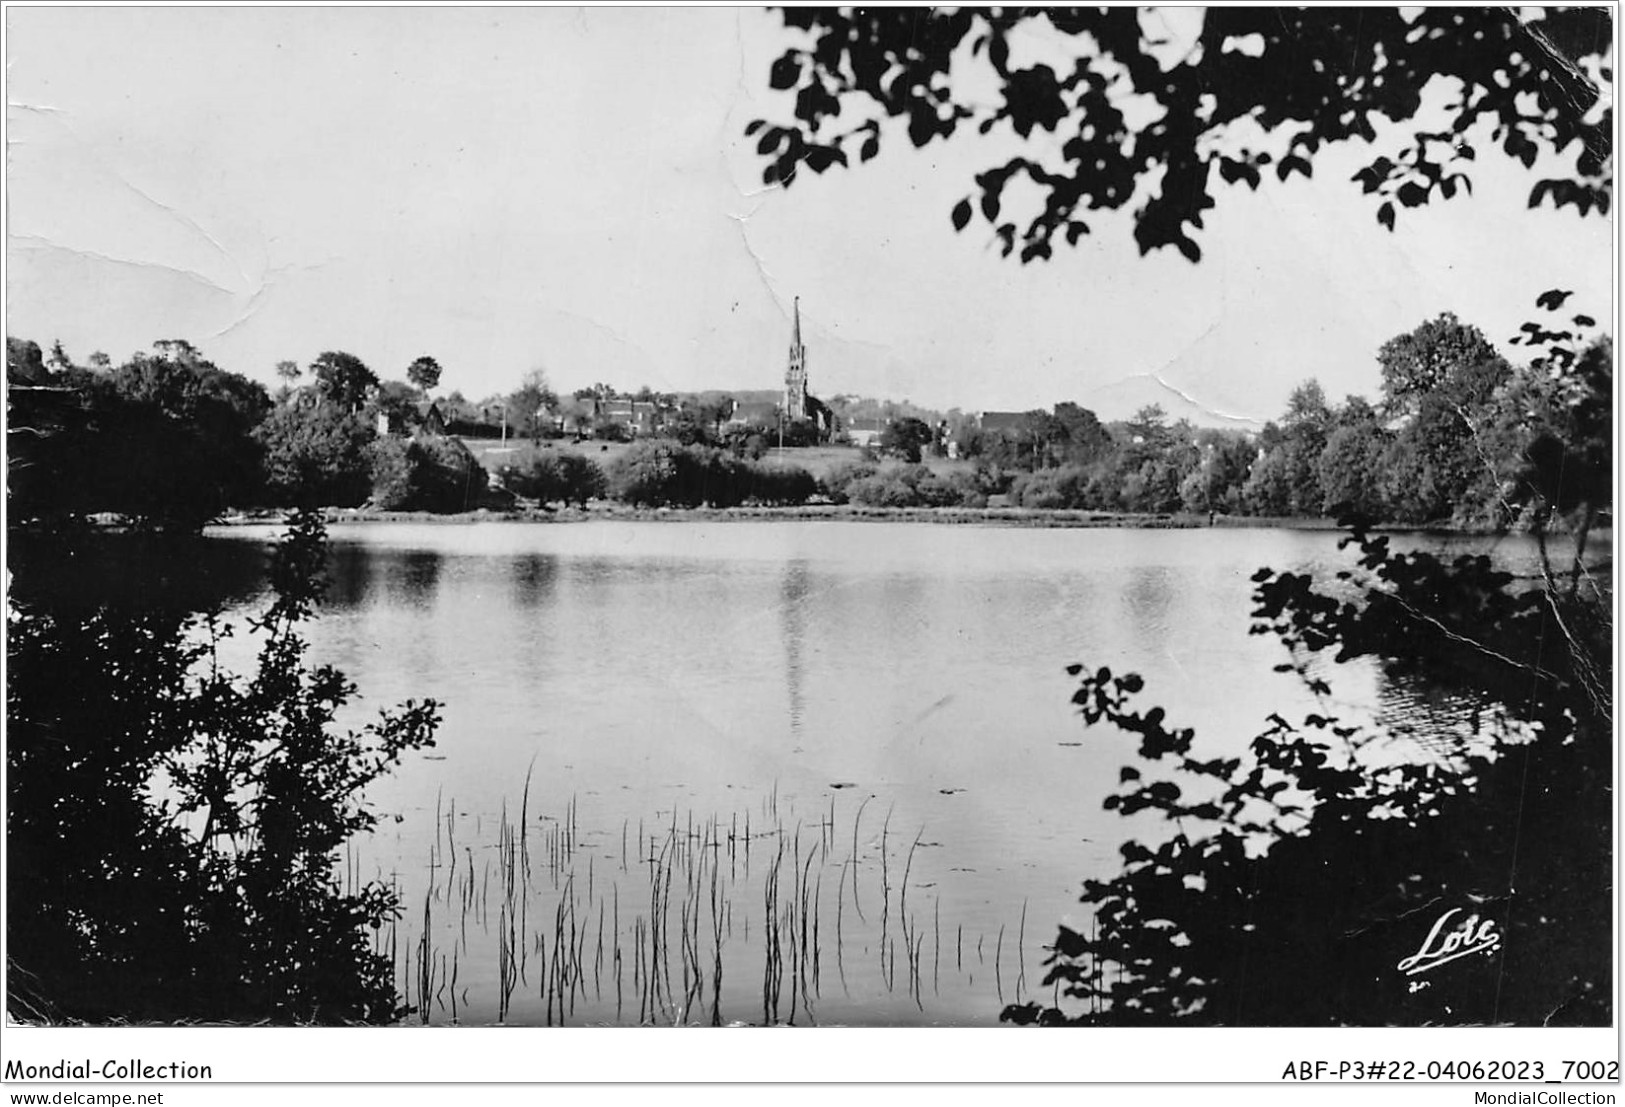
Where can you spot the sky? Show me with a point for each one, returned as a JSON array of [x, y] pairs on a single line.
[[572, 190]]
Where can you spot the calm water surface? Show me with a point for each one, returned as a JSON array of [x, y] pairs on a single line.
[[836, 761]]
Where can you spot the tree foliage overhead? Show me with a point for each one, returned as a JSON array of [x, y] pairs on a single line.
[[1259, 92]]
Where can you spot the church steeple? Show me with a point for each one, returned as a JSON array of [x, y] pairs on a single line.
[[795, 377]]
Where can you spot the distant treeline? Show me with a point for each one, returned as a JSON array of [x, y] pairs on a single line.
[[170, 438], [1456, 439]]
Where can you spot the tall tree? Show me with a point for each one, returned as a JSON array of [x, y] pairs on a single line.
[[1442, 379], [424, 373], [1086, 441], [398, 401], [1441, 357], [316, 456], [525, 403], [1215, 483], [177, 350], [343, 379], [1150, 426], [1350, 464], [1565, 409], [1041, 440], [1305, 423], [906, 437], [1351, 472], [25, 364]]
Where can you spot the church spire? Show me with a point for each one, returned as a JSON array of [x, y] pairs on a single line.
[[795, 376]]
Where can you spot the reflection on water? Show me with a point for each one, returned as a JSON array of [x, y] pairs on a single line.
[[350, 569], [879, 714], [409, 577], [1151, 592], [534, 577], [793, 597], [156, 572], [405, 577], [1443, 724]]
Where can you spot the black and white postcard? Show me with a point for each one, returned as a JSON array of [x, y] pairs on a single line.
[[935, 522]]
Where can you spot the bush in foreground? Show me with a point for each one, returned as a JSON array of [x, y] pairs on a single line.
[[1318, 857], [221, 901]]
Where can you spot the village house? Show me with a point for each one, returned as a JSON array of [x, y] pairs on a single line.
[[1001, 422], [762, 414], [422, 418], [570, 418], [637, 416], [581, 418]]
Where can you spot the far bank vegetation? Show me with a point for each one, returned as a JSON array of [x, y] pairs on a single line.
[[169, 439]]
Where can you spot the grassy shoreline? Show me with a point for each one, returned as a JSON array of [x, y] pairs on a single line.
[[1037, 518]]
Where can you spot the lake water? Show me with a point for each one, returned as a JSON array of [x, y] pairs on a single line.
[[836, 761]]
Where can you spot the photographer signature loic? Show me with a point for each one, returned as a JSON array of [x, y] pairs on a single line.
[[1447, 942]]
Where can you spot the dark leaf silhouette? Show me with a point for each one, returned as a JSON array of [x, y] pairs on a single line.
[[786, 72], [119, 911], [1362, 854], [1310, 84]]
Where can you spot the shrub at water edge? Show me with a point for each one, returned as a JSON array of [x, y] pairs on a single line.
[[554, 476], [426, 473]]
